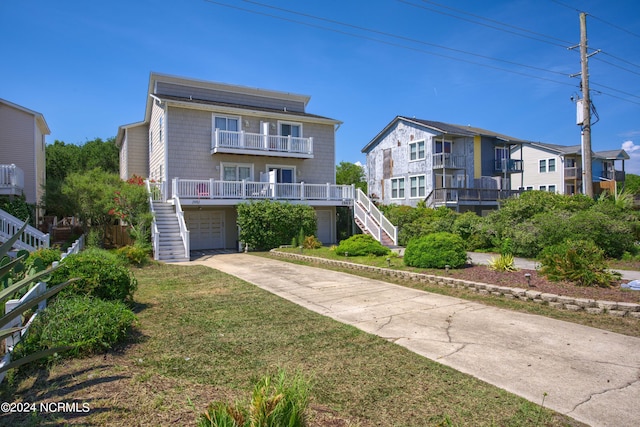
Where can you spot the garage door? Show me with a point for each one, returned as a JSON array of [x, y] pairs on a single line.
[[206, 229], [325, 226]]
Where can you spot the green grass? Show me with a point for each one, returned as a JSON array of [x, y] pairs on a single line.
[[202, 334]]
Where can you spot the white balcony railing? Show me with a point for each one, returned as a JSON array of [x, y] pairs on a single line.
[[11, 179], [448, 161], [225, 141], [214, 190]]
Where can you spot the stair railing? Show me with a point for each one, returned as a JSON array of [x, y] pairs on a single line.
[[155, 233], [31, 238], [184, 232], [372, 211]]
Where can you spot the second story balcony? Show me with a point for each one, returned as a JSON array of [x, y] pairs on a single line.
[[573, 172], [257, 144], [508, 165], [11, 180], [449, 161]]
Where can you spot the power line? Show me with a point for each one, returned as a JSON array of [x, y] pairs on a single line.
[[524, 30], [386, 34], [402, 46]]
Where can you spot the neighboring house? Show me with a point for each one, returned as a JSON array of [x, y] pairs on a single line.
[[461, 167], [22, 153], [558, 168], [211, 146]]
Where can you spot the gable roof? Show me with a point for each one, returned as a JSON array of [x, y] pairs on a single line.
[[564, 150], [42, 123], [442, 128]]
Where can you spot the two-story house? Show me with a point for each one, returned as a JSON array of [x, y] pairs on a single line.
[[559, 168], [211, 146], [461, 167], [22, 153]]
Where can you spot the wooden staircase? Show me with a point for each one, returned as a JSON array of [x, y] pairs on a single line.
[[371, 221], [170, 244]]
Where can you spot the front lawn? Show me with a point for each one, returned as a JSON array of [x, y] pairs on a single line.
[[204, 336]]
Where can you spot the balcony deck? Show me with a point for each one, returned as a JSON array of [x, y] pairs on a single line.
[[211, 192], [261, 145], [11, 180]]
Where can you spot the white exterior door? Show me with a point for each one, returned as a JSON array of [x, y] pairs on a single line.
[[206, 229]]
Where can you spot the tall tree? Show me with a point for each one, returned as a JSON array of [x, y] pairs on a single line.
[[350, 173]]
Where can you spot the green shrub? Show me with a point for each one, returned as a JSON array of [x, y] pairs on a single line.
[[266, 224], [436, 251], [137, 255], [361, 244], [577, 261], [276, 402], [87, 325], [504, 262], [311, 242], [101, 274], [48, 256]]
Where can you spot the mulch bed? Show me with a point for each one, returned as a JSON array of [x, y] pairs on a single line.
[[516, 279]]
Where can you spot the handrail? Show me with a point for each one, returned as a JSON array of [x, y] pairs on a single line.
[[155, 233], [184, 232], [31, 239], [373, 211], [260, 142]]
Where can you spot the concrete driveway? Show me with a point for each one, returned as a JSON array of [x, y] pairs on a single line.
[[588, 374]]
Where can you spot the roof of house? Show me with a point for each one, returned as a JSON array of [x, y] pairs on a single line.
[[564, 150], [443, 128], [44, 127]]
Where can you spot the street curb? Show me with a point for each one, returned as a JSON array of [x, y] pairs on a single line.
[[612, 308]]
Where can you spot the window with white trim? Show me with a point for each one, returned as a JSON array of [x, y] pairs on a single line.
[[543, 166], [417, 186], [552, 189], [290, 129], [542, 188], [442, 147], [397, 188], [237, 171], [416, 150], [229, 123], [552, 165]]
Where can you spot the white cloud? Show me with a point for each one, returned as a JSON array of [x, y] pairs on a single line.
[[633, 164]]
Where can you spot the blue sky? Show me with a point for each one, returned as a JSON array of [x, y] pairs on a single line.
[[499, 65]]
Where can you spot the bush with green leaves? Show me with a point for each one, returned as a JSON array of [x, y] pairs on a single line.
[[267, 224], [100, 273], [83, 324], [577, 261], [47, 255], [137, 254], [361, 245], [276, 402], [436, 250], [311, 242]]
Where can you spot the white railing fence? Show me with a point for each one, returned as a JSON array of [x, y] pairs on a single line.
[[31, 239], [213, 189], [155, 193], [39, 289], [11, 176], [261, 142], [184, 231], [371, 212]]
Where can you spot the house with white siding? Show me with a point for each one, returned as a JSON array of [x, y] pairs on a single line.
[[559, 168], [22, 153], [462, 167], [210, 146]]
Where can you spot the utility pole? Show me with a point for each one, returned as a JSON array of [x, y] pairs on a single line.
[[587, 173]]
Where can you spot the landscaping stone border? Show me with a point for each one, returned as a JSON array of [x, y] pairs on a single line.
[[612, 308]]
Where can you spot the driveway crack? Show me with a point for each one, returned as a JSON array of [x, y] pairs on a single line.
[[622, 387]]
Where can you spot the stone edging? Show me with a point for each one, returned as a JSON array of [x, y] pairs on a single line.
[[619, 309]]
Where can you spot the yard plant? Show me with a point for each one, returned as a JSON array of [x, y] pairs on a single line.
[[361, 244], [436, 250]]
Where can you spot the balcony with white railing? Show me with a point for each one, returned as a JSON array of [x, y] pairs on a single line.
[[449, 161], [240, 142], [11, 180], [215, 192]]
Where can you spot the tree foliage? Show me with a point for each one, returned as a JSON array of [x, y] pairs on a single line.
[[266, 224], [351, 173]]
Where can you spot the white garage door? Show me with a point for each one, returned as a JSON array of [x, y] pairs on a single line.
[[206, 229], [325, 226]]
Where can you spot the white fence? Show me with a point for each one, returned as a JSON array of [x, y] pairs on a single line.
[[34, 292]]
